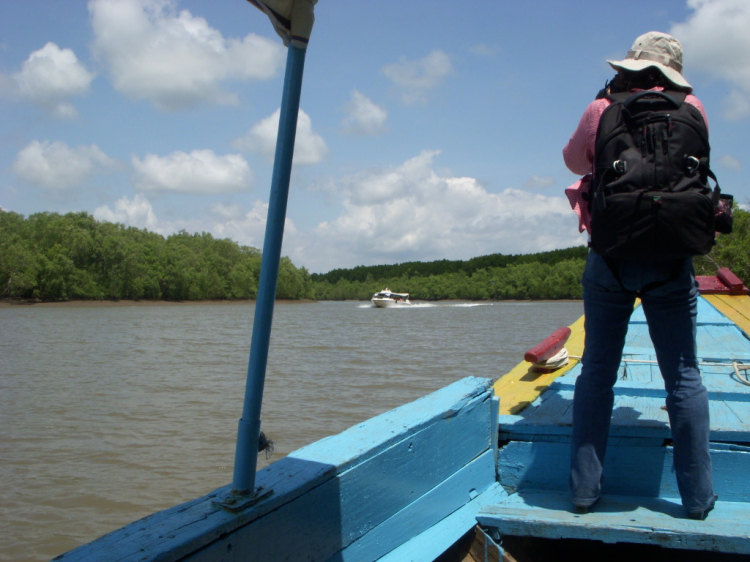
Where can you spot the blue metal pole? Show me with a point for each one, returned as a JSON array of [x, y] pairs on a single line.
[[248, 433]]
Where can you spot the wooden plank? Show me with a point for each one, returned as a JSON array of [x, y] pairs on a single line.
[[708, 314], [622, 519], [178, 532], [546, 466], [736, 308], [415, 519], [521, 386], [630, 469], [729, 421], [484, 549], [350, 506], [722, 343], [429, 545], [640, 395]]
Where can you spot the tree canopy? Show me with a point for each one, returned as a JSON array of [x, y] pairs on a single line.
[[53, 257]]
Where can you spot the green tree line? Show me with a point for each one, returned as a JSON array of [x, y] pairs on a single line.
[[53, 257], [442, 267], [533, 280], [547, 275]]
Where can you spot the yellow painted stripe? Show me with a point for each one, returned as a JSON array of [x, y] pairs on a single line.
[[734, 307], [521, 386]]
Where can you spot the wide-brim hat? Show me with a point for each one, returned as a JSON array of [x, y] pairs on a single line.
[[659, 50]]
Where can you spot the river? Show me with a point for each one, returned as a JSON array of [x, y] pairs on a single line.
[[109, 413]]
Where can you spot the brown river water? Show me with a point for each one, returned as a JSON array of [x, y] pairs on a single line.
[[108, 414]]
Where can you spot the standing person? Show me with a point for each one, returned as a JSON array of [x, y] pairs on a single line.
[[668, 294]]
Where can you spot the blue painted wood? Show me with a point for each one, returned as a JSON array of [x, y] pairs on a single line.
[[721, 342], [330, 493], [450, 495], [707, 315], [639, 409], [641, 502], [430, 544], [655, 521], [630, 469], [348, 507]]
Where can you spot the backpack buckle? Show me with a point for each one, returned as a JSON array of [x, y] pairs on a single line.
[[620, 166], [692, 164]]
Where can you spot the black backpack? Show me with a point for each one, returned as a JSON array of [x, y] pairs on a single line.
[[650, 197]]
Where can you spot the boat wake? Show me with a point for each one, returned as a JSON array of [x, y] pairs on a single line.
[[416, 305]]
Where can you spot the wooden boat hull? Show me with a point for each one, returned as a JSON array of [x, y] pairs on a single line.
[[404, 485], [640, 502], [413, 483]]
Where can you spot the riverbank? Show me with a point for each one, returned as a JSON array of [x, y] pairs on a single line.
[[105, 303], [7, 303]]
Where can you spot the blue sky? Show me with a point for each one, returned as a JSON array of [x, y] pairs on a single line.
[[430, 129]]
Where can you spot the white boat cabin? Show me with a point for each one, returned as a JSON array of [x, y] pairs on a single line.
[[388, 298]]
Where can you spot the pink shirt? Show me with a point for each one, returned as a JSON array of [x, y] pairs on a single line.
[[579, 153]]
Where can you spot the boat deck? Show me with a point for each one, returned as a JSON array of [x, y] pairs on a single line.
[[412, 483], [640, 502]]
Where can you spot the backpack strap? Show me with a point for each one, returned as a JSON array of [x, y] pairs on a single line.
[[717, 190], [672, 97]]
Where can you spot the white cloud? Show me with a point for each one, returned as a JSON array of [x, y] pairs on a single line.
[[49, 78], [415, 78], [57, 166], [736, 105], [411, 212], [731, 162], [363, 116], [482, 50], [200, 172], [309, 147], [222, 221], [717, 43], [539, 182], [173, 59], [136, 212], [248, 228]]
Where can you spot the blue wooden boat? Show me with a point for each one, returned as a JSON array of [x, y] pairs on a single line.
[[479, 468], [475, 471]]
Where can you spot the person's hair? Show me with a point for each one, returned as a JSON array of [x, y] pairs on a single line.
[[650, 77]]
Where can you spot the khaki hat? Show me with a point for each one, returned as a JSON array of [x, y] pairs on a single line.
[[658, 50]]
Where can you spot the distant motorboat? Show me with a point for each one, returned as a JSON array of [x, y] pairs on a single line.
[[388, 298]]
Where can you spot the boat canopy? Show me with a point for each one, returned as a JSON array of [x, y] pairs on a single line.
[[389, 294]]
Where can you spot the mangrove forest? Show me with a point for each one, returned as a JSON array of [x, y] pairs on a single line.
[[56, 257]]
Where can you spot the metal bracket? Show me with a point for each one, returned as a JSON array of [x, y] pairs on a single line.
[[235, 501]]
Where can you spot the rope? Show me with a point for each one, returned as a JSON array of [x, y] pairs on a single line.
[[741, 378], [704, 363], [558, 360], [736, 365]]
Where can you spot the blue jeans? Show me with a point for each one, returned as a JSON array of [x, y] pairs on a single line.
[[671, 313]]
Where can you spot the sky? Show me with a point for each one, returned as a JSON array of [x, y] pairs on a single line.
[[429, 129]]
